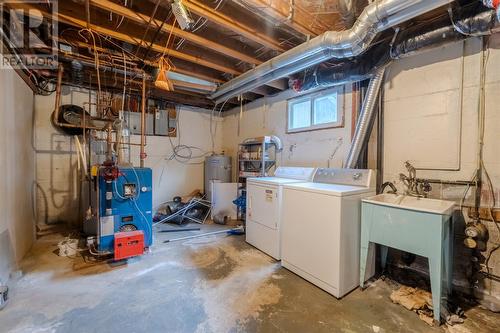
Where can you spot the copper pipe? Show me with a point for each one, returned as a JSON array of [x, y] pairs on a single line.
[[55, 117], [109, 141], [60, 72], [143, 122], [87, 12], [123, 143]]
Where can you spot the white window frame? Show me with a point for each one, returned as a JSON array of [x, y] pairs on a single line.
[[311, 97]]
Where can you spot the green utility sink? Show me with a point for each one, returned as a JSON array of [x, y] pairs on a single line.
[[423, 205], [416, 225]]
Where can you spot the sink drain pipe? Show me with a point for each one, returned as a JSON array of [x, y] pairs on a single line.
[[368, 112]]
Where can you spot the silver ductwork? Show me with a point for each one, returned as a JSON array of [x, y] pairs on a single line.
[[376, 17], [410, 42], [277, 143], [365, 120]]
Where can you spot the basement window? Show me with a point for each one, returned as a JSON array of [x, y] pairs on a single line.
[[316, 111]]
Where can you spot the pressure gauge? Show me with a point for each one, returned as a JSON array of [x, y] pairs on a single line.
[[129, 190], [471, 231]]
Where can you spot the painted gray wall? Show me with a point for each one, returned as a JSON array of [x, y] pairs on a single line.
[[16, 169]]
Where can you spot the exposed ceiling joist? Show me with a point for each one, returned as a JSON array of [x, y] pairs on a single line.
[[155, 47], [180, 86], [292, 14], [79, 23], [232, 24], [178, 69], [198, 40]]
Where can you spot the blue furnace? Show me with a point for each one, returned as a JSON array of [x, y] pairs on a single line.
[[129, 208]]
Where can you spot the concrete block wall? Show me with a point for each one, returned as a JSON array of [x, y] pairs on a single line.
[[268, 116], [57, 185], [173, 177], [58, 188], [16, 170], [429, 120]]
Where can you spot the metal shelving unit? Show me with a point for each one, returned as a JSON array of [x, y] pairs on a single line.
[[256, 158]]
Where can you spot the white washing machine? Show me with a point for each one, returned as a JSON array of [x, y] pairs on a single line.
[[263, 217], [321, 228]]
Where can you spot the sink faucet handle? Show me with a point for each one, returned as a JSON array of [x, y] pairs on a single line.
[[411, 169], [426, 187]]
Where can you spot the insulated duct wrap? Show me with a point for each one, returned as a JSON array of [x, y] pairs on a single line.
[[381, 55], [376, 17], [363, 127]]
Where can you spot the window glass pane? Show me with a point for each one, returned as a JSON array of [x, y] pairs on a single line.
[[300, 115], [325, 109]]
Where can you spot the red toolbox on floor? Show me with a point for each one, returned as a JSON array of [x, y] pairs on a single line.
[[129, 244]]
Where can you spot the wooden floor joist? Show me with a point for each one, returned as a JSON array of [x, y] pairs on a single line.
[[191, 37], [180, 70], [79, 23], [295, 16], [227, 22], [155, 47]]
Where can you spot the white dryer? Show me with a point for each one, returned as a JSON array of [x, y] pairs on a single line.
[[321, 228], [264, 207]]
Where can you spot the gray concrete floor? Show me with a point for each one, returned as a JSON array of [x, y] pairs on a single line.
[[211, 284]]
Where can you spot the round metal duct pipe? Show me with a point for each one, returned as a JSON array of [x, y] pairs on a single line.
[[368, 112], [376, 17]]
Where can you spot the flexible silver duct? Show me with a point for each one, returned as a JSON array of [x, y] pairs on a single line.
[[376, 17], [277, 143], [342, 72], [365, 120]]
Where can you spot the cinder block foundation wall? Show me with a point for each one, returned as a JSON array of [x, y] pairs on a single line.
[[431, 119], [58, 186], [268, 116], [16, 170]]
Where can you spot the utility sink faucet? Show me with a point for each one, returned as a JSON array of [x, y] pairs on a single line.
[[414, 187]]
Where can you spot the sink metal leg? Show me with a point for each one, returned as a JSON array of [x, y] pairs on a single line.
[[383, 255], [365, 245], [435, 270], [448, 256]]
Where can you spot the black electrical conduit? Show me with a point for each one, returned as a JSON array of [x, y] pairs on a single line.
[[382, 54]]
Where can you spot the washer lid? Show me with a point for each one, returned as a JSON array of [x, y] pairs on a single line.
[[272, 181], [329, 189]]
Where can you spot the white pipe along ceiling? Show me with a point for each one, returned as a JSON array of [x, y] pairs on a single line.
[[375, 18]]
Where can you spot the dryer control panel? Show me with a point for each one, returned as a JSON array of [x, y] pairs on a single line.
[[352, 177], [305, 174]]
